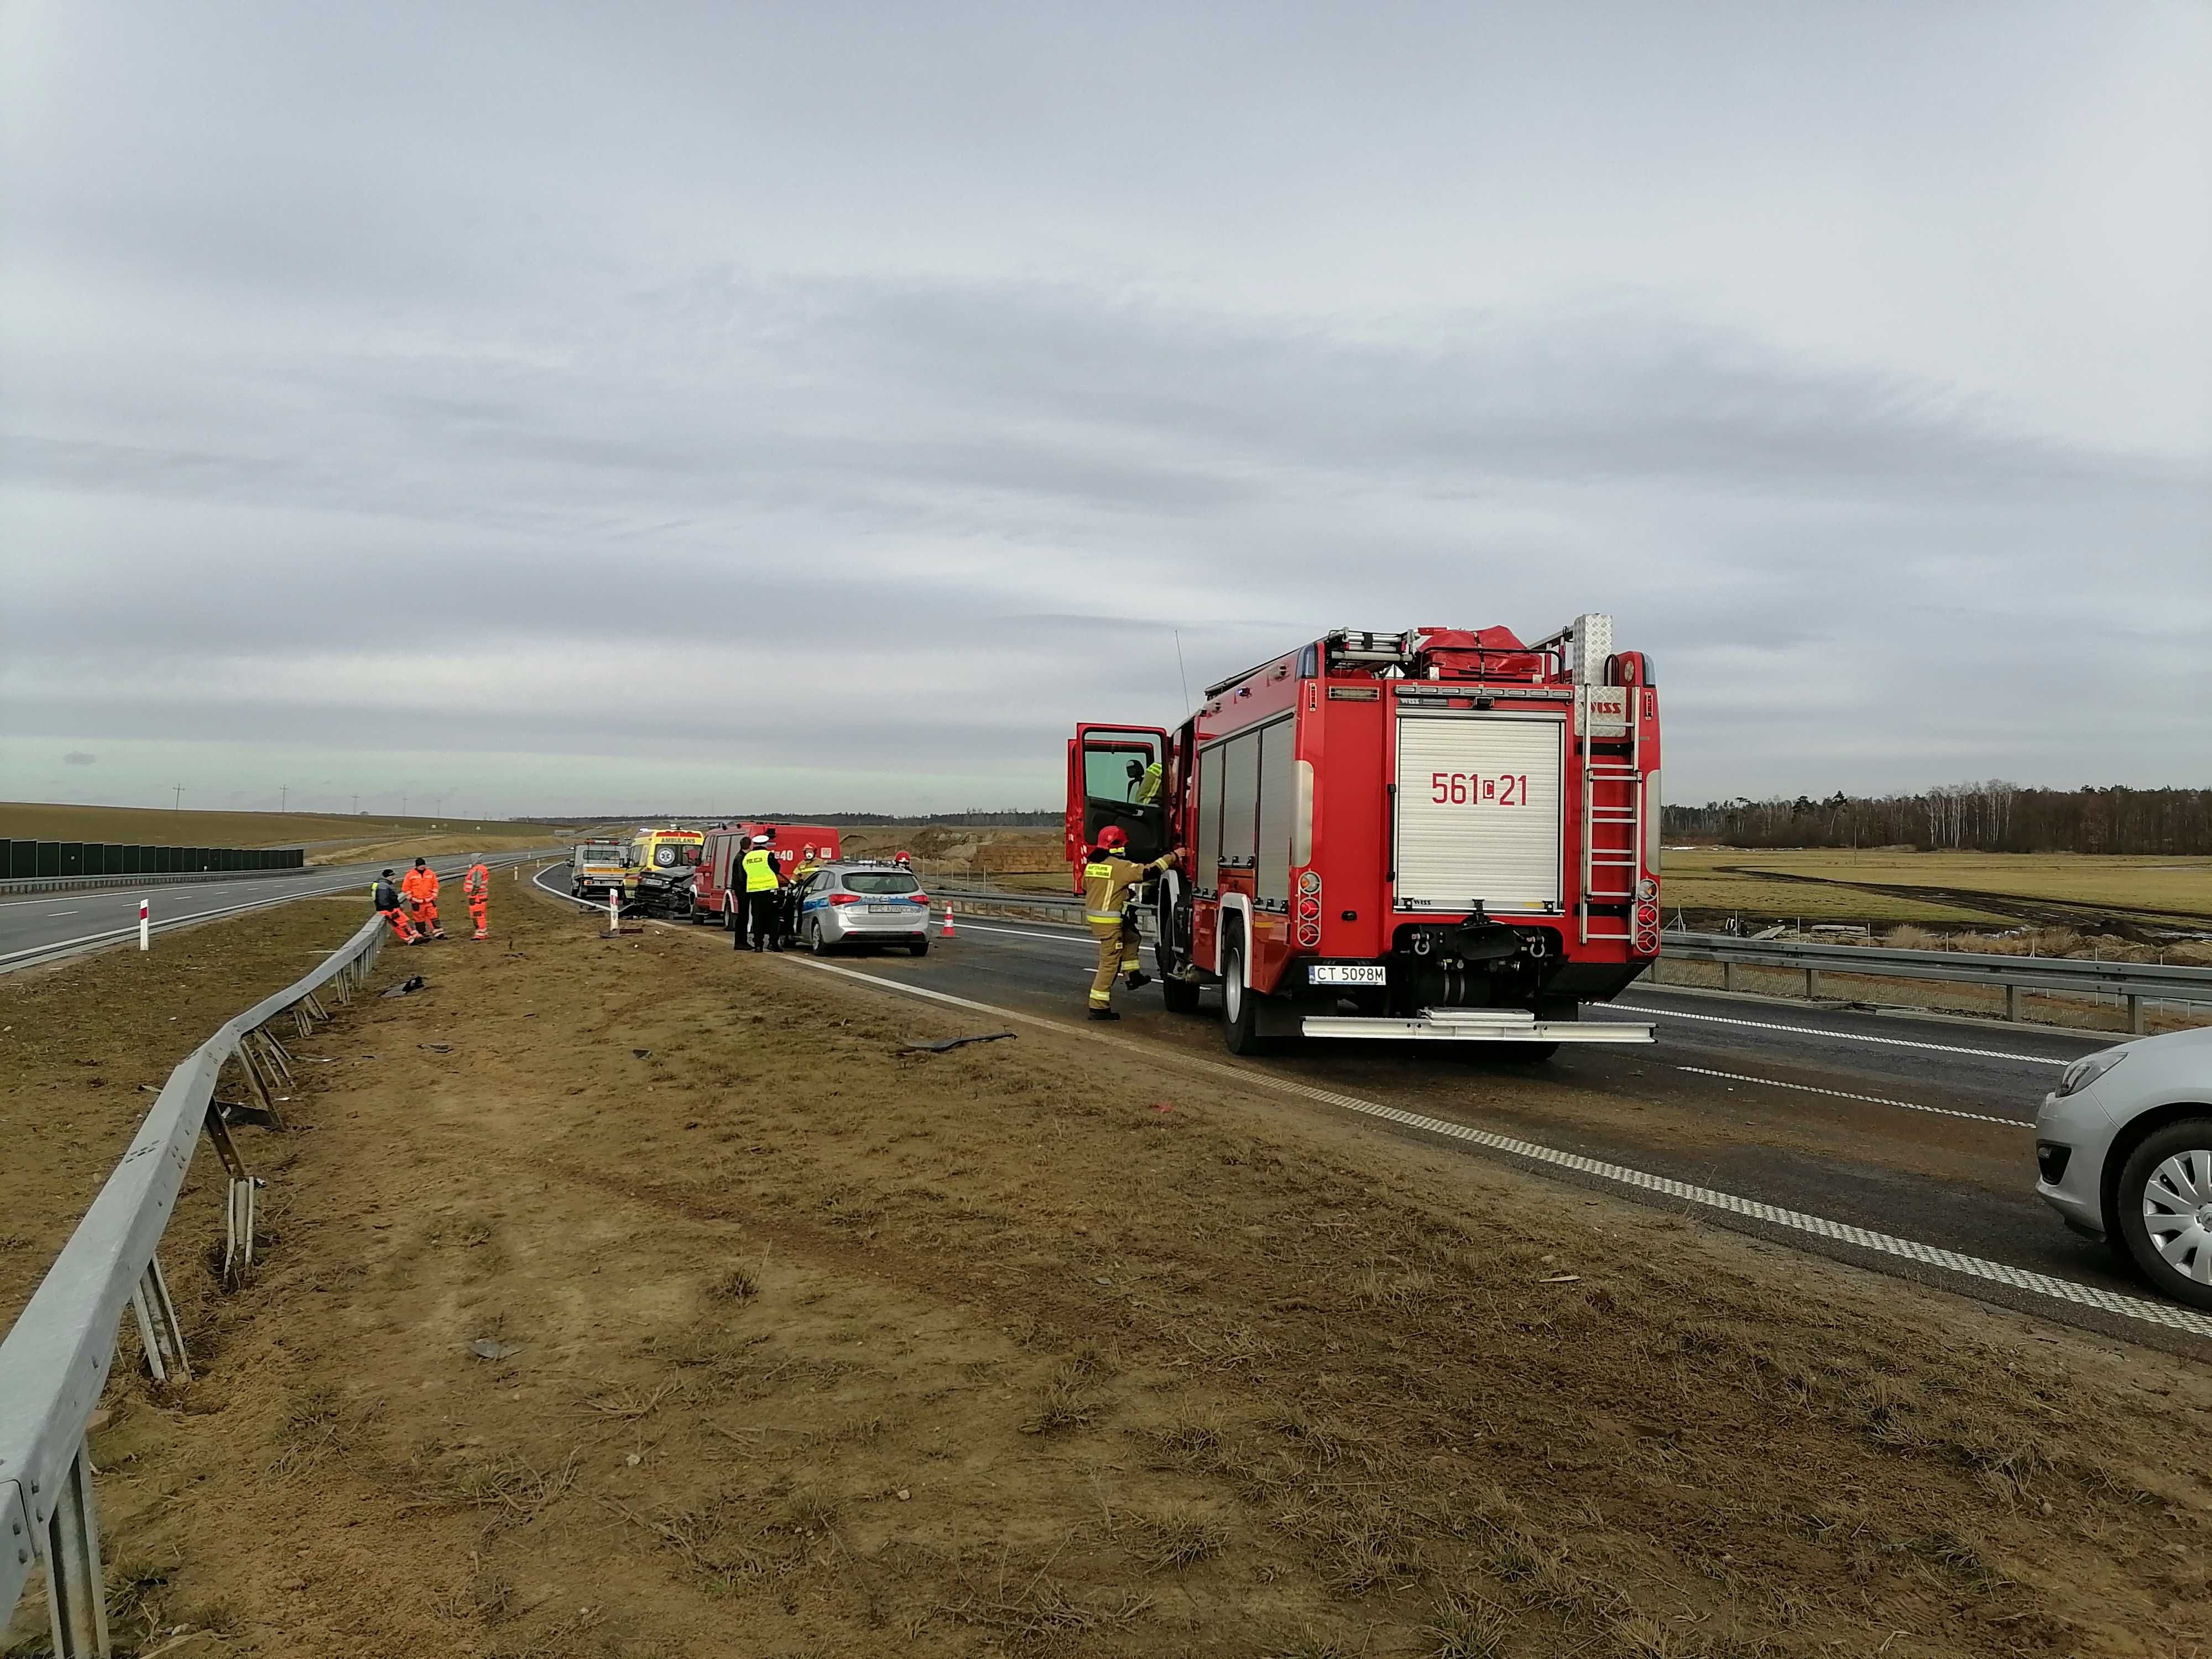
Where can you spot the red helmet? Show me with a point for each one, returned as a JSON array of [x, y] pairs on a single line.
[[1113, 838]]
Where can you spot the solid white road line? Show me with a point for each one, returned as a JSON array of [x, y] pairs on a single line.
[[1842, 1094], [1997, 1273], [1642, 1008]]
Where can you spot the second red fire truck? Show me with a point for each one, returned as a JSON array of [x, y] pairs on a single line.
[[1438, 833]]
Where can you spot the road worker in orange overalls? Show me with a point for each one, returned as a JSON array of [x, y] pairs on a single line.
[[421, 886], [476, 888], [385, 897]]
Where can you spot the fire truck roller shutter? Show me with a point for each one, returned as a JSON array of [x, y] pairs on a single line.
[[1240, 801], [1277, 786], [1479, 812], [1210, 773]]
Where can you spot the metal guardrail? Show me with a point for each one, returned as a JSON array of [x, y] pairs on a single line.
[[2136, 981], [985, 895], [55, 1361]]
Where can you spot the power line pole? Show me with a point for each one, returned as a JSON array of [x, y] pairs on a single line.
[[177, 805], [284, 798]]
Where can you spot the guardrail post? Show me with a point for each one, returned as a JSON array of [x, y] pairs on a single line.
[[76, 1591], [1728, 976], [2012, 1002], [2136, 1014], [159, 1333], [1812, 984], [238, 1215]]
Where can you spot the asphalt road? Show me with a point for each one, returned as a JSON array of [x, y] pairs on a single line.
[[1919, 1128], [45, 929]]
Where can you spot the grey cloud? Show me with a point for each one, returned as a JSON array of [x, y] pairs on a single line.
[[907, 474], [78, 757]]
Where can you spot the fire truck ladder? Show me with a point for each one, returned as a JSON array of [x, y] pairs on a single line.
[[1609, 872]]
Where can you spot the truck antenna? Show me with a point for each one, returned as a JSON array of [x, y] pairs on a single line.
[[1182, 671]]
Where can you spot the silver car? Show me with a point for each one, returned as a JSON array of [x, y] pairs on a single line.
[[863, 904], [2124, 1154]]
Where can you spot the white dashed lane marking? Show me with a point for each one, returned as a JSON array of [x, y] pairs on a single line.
[[1843, 1094], [1644, 1009]]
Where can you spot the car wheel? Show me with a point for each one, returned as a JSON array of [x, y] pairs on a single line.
[[918, 945], [2164, 1202], [816, 944], [1240, 1004]]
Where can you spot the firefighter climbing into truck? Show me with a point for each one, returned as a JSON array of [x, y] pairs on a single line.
[[1438, 833]]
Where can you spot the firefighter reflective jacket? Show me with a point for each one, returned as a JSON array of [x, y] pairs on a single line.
[[760, 869], [1148, 786], [1107, 881]]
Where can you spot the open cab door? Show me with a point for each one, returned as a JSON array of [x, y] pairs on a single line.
[[1116, 774]]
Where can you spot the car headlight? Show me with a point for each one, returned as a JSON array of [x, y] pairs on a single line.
[[2086, 1070]]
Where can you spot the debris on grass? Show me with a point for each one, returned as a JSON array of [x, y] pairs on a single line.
[[950, 1043]]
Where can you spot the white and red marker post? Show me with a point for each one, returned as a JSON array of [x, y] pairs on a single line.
[[145, 925]]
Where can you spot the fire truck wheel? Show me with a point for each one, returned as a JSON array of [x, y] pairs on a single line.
[[1180, 995], [1240, 1005]]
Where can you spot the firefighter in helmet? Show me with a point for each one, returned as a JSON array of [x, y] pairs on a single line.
[[1110, 882]]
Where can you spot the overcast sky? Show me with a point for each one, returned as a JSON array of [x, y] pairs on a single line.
[[550, 407]]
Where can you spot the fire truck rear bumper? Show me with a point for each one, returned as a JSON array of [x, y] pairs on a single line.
[[1476, 1025]]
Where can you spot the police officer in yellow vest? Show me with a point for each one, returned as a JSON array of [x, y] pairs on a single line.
[[760, 906], [1107, 880]]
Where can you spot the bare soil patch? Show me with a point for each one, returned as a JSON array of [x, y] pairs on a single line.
[[672, 1313]]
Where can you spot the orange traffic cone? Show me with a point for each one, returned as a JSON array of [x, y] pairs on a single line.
[[945, 931]]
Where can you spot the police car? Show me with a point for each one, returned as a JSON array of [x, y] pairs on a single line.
[[863, 904]]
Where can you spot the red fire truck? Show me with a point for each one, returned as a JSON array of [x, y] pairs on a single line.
[[1437, 833], [726, 844]]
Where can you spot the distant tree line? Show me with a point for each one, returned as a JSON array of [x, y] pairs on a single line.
[[1995, 816]]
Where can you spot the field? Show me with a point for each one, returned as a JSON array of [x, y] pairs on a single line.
[[1890, 886], [330, 839], [630, 1298]]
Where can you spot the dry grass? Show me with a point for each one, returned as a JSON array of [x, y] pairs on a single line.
[[1287, 1387], [1704, 879], [1467, 1628], [1168, 1539], [1067, 1401]]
